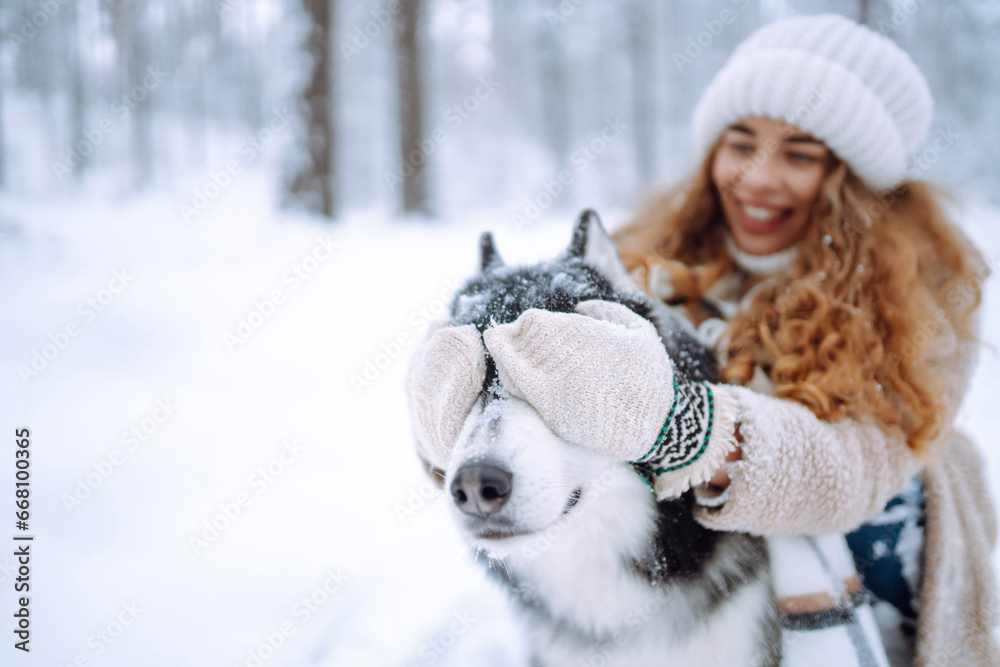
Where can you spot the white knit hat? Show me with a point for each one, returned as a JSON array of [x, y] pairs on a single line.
[[839, 81]]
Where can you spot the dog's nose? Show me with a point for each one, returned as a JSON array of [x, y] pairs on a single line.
[[480, 489]]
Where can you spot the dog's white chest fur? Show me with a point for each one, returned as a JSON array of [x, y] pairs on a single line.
[[577, 571]]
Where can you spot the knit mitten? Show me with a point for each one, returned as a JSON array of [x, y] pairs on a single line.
[[602, 378], [444, 381]]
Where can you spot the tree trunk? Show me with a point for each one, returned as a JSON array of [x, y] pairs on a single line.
[[127, 25], [864, 12], [78, 104], [409, 68], [2, 145], [554, 88], [640, 25], [313, 183]]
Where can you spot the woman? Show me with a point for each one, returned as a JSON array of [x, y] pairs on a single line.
[[841, 298]]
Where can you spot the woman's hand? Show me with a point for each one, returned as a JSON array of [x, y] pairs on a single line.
[[445, 377], [601, 378], [720, 480]]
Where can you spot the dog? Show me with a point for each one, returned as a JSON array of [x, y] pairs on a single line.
[[601, 573]]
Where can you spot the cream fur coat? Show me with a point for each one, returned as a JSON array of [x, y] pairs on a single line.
[[801, 475]]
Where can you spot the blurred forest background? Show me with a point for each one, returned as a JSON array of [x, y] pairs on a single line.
[[251, 209], [435, 107]]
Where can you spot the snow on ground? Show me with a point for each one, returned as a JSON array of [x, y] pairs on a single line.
[[204, 500]]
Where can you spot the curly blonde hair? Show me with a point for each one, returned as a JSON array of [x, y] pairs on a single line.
[[843, 335]]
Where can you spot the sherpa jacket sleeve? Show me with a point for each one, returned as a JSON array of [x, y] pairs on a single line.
[[802, 475]]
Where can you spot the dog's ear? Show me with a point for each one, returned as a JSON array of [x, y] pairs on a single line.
[[592, 244], [489, 258]]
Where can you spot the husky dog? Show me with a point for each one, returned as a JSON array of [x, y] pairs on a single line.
[[603, 573]]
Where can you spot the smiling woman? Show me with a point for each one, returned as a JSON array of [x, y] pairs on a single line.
[[768, 174], [811, 269], [814, 269]]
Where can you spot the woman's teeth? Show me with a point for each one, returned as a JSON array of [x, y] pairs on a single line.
[[758, 213]]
